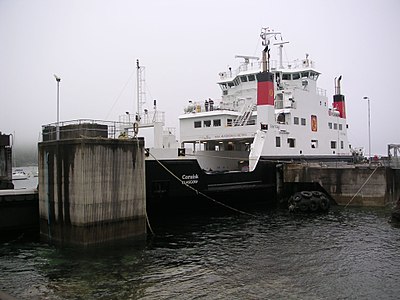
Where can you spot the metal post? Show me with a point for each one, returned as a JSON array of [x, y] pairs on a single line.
[[58, 79], [369, 127]]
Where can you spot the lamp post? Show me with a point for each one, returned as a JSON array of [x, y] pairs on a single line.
[[58, 79], [369, 127]]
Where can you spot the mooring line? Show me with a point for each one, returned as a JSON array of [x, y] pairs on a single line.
[[369, 177], [197, 191]]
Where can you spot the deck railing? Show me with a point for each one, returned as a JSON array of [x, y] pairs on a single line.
[[82, 128]]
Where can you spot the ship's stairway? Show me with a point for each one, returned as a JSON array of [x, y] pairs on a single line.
[[245, 115]]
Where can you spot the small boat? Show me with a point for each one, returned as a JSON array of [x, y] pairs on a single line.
[[19, 174]]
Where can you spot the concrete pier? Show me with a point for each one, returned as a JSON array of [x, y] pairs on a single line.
[[5, 162], [357, 185], [91, 190]]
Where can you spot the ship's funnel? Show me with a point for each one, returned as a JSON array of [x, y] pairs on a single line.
[[338, 99]]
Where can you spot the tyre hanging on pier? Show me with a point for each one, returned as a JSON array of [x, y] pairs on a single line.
[[309, 201]]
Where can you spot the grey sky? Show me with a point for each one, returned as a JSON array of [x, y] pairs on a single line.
[[93, 46]]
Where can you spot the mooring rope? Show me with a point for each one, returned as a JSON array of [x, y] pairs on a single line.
[[362, 186], [197, 191], [145, 207]]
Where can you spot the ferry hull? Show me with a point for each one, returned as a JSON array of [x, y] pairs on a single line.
[[182, 185]]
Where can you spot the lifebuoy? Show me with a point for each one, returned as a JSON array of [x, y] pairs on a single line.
[[136, 128]]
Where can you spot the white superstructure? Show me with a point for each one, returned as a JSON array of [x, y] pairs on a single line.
[[295, 119]]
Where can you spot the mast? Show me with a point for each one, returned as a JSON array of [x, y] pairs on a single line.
[[141, 93]]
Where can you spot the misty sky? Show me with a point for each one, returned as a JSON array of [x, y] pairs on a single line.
[[93, 46]]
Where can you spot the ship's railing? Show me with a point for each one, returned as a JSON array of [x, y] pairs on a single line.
[[274, 65], [146, 118], [88, 128], [197, 107]]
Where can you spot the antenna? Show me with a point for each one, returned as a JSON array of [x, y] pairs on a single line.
[[267, 34], [247, 58], [280, 52]]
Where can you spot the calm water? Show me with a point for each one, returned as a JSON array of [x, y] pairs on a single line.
[[345, 254]]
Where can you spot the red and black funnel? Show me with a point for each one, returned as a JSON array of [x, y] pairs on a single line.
[[338, 99]]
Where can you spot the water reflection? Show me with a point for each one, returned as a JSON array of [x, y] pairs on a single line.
[[348, 253]]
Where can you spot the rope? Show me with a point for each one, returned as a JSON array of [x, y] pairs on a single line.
[[369, 177], [148, 223], [145, 207], [197, 191]]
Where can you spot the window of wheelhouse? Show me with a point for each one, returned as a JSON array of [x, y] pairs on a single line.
[[286, 76], [252, 77], [296, 76], [229, 122], [223, 86], [243, 78], [197, 124], [207, 123]]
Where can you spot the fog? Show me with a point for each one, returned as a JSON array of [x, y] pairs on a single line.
[[93, 46]]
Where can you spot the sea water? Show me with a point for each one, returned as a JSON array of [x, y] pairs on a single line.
[[350, 253]]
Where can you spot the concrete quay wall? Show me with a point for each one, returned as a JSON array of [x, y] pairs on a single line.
[[91, 190], [362, 185]]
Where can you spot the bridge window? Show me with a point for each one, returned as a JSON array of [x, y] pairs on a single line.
[[229, 122], [252, 77], [243, 78], [286, 76], [304, 74], [296, 76], [197, 124], [207, 123]]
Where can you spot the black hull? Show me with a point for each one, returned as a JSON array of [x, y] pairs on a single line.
[[165, 190]]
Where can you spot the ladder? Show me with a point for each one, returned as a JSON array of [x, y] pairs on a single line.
[[245, 115]]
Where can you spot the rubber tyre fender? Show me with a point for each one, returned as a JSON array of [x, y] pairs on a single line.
[[297, 197], [313, 205], [324, 204], [303, 206], [306, 194], [316, 194]]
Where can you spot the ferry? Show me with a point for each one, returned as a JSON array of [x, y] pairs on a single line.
[[269, 112]]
